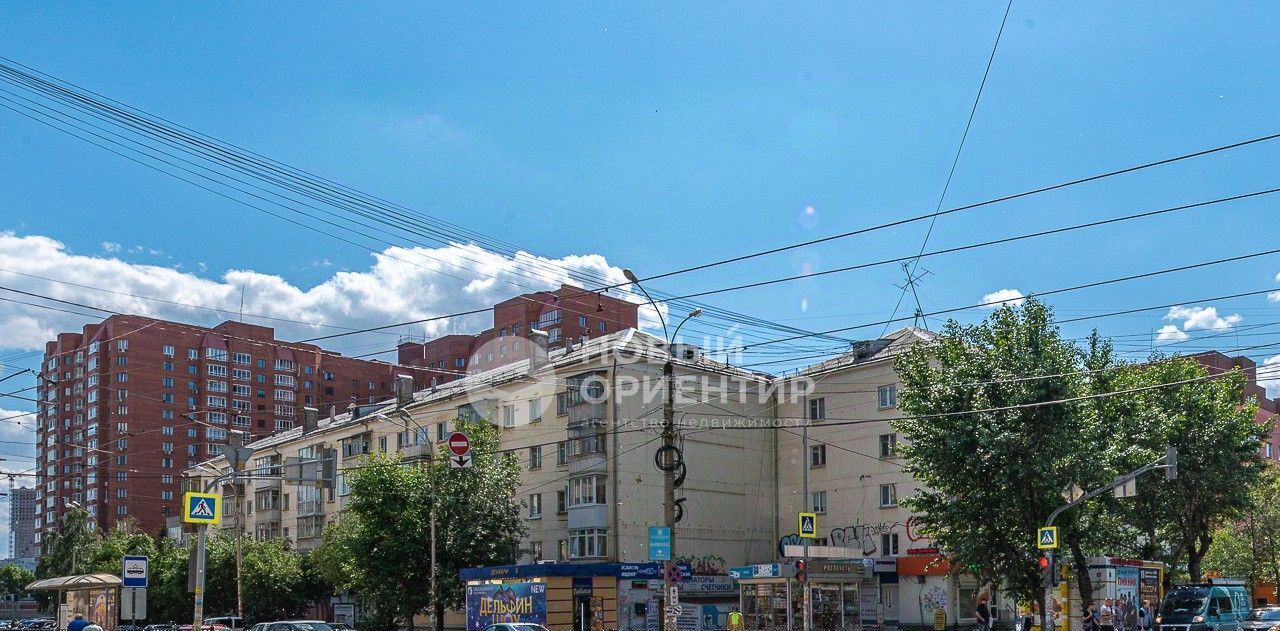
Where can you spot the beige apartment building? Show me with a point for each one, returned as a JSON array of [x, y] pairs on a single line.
[[585, 422]]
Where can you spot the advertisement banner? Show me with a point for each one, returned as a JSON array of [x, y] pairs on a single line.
[[512, 602], [1149, 585], [1126, 604]]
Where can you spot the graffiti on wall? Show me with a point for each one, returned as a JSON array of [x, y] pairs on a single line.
[[865, 537], [935, 599], [708, 565]]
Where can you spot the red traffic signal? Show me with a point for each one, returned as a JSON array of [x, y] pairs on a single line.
[[802, 574], [1044, 563]]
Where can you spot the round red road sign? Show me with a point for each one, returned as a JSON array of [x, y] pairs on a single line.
[[459, 444]]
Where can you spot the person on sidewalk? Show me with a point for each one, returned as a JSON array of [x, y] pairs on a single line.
[[1107, 615], [92, 626], [982, 612], [78, 624], [735, 620]]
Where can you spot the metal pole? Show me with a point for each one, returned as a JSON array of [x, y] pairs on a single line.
[[239, 536], [199, 615], [434, 610], [806, 610], [669, 489]]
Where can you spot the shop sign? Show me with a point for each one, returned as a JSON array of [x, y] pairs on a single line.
[[922, 551], [838, 569], [506, 603], [770, 570]]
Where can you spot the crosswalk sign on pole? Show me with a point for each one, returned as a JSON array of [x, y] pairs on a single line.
[[1048, 538], [808, 528], [202, 508]]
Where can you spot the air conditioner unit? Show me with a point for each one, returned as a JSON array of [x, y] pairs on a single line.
[[686, 352]]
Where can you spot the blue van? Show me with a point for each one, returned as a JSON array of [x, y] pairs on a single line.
[[1219, 605]]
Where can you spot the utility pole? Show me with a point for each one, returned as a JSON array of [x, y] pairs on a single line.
[[806, 610], [669, 459], [1168, 462], [237, 456]]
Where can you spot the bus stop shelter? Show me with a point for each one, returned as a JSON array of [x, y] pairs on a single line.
[[95, 596]]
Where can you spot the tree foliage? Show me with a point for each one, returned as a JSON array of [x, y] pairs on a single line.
[[1058, 416], [380, 549]]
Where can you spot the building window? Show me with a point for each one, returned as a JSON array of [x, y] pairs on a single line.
[[562, 501], [562, 550], [241, 374], [216, 370], [535, 410], [242, 359], [122, 361], [888, 445], [535, 506], [817, 456], [817, 409], [167, 366], [122, 345], [166, 382], [217, 402], [818, 501], [167, 351], [213, 385], [508, 416], [588, 543], [587, 490], [582, 321], [215, 354], [562, 452], [284, 364], [554, 335], [535, 550], [535, 457], [888, 495], [889, 544], [888, 396], [562, 404]]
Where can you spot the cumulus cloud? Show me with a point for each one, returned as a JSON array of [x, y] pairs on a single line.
[[1275, 295], [401, 284], [1003, 297], [1269, 376], [1171, 332], [112, 246], [1202, 318]]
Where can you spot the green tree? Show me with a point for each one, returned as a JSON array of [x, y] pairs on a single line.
[[1231, 554], [990, 479], [380, 548], [1217, 439], [14, 580]]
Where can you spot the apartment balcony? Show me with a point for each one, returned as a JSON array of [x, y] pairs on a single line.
[[589, 516], [585, 414], [266, 516]]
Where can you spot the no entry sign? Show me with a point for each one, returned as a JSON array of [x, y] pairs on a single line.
[[459, 450]]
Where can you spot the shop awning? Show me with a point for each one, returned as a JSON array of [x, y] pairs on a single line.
[[78, 581]]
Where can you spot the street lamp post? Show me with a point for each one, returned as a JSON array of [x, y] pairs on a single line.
[[671, 459]]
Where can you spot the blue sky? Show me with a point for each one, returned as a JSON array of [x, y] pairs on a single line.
[[660, 137]]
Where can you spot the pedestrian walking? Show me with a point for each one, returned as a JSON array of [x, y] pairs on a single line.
[[1107, 615], [1091, 621], [78, 624], [1146, 616], [982, 612], [735, 620], [92, 626]]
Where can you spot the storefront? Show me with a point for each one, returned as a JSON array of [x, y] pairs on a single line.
[[765, 594], [773, 600]]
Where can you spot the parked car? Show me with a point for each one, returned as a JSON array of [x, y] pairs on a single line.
[[1261, 619], [298, 625], [516, 626], [341, 626], [261, 626], [235, 623], [160, 627], [216, 627]]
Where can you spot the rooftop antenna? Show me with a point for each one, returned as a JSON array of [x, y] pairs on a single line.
[[912, 280], [242, 303]]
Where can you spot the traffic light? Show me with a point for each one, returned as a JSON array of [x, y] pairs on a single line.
[[1046, 572], [802, 572], [1044, 563]]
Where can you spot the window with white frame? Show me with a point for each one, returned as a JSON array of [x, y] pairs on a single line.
[[242, 359], [241, 390], [284, 364], [817, 456], [213, 385], [535, 410], [535, 505], [285, 395], [217, 402], [889, 544], [817, 409], [286, 380], [588, 543], [215, 354], [241, 374], [167, 351], [888, 396], [587, 490], [216, 370], [888, 495], [888, 445], [818, 501], [508, 416], [122, 345], [535, 457]]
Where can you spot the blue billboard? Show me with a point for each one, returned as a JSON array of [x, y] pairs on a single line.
[[512, 602]]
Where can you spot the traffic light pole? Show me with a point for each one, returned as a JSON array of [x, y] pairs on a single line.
[[1168, 462]]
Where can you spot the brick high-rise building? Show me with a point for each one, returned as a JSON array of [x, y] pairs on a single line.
[[567, 314], [1217, 363], [22, 520], [130, 402]]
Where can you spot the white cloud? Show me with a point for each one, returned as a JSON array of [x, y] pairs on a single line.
[[1170, 332], [1269, 378], [112, 246], [1202, 318], [401, 284], [1003, 297]]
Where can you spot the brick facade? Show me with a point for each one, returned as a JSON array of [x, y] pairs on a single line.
[[566, 314], [130, 402]]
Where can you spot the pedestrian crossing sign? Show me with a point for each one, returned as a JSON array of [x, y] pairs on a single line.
[[202, 508], [809, 525], [1048, 538]]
